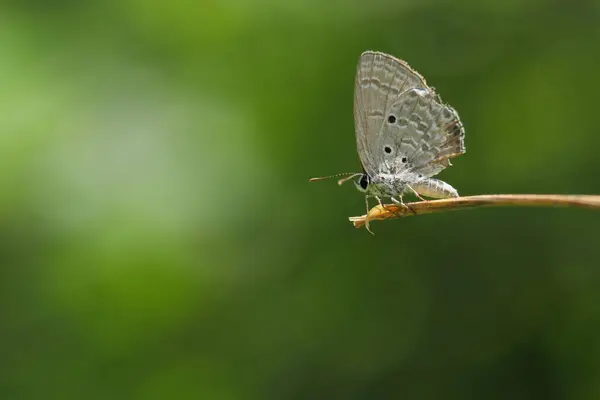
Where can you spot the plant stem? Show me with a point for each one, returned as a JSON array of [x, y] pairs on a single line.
[[390, 211]]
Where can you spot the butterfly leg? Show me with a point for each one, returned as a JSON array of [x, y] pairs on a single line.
[[401, 203], [367, 217], [415, 192]]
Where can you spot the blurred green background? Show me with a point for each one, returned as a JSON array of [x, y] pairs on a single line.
[[159, 238]]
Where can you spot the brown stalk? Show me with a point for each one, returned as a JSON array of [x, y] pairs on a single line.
[[390, 211]]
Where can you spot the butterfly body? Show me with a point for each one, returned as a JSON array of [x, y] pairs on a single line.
[[405, 134], [392, 186]]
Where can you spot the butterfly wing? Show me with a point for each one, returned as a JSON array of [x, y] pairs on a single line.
[[424, 136], [449, 143], [380, 79], [402, 127]]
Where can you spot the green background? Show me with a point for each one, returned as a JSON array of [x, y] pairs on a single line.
[[159, 238]]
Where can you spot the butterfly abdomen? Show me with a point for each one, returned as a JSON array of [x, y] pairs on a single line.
[[434, 188]]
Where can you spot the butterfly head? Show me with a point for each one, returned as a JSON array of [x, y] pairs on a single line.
[[362, 182]]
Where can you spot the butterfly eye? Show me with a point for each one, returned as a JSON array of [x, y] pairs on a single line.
[[404, 159], [364, 181], [391, 119], [387, 149]]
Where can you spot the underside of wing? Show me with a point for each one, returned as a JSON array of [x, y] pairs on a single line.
[[419, 135], [380, 80], [444, 139]]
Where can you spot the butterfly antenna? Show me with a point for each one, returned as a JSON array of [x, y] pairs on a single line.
[[352, 175], [346, 179]]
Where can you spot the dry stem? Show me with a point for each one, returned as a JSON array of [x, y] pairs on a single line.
[[496, 200]]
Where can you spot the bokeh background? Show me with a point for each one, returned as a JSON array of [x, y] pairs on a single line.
[[159, 238]]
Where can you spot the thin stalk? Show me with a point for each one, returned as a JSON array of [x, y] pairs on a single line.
[[391, 211]]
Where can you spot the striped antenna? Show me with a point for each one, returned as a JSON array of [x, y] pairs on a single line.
[[347, 178]]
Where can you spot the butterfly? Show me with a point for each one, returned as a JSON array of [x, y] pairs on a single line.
[[405, 134]]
